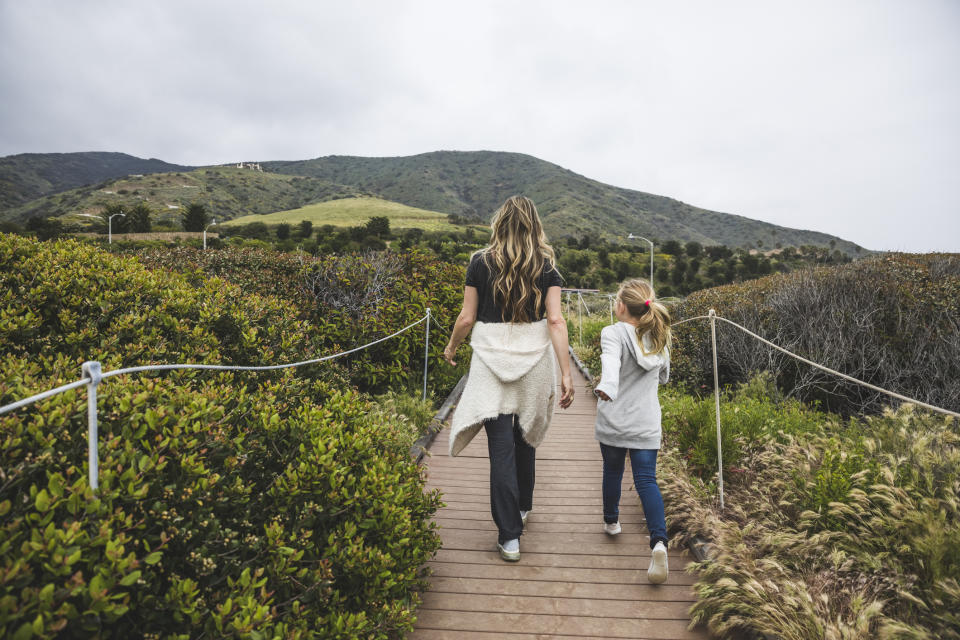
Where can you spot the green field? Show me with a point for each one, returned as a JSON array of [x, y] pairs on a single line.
[[352, 212]]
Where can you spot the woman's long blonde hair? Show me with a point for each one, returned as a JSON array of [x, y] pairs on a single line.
[[516, 256], [653, 317]]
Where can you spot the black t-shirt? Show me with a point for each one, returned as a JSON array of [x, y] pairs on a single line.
[[479, 276]]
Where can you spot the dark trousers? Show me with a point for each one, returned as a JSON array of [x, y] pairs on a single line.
[[512, 475], [644, 464]]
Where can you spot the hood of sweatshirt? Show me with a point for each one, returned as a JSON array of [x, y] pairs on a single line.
[[510, 351], [647, 360]]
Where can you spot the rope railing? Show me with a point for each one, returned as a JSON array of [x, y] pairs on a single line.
[[713, 317], [93, 376]]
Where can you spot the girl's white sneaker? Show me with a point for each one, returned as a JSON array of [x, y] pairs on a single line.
[[611, 528], [657, 573], [523, 516]]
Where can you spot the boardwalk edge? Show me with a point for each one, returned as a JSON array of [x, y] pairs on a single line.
[[419, 448]]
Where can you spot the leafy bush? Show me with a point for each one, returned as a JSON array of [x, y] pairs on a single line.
[[230, 505], [349, 300], [749, 416]]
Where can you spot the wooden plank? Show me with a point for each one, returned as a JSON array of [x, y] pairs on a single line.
[[520, 571], [595, 543], [487, 524], [643, 591], [497, 622], [570, 559], [591, 517], [558, 606]]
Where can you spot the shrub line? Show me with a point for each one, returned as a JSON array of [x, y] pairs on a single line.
[[893, 394]]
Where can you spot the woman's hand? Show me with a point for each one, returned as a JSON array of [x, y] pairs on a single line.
[[602, 395], [449, 352], [566, 391]]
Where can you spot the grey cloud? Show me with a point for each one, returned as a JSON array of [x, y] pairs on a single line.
[[836, 117]]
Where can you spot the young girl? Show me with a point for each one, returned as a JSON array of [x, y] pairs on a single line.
[[635, 359]]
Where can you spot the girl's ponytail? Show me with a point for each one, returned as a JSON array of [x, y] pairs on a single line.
[[654, 318]]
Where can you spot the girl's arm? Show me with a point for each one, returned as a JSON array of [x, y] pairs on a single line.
[[610, 364], [561, 344], [468, 315], [665, 368]]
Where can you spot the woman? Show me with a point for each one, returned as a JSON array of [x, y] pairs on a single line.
[[512, 293]]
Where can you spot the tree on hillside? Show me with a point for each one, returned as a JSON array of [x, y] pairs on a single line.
[[379, 226], [694, 249], [283, 231], [138, 218], [45, 228], [305, 229], [195, 218], [672, 247]]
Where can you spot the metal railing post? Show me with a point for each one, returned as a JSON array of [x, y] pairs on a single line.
[[716, 401], [92, 370], [610, 299], [580, 313], [426, 356]]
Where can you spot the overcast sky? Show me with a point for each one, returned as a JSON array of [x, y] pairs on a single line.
[[840, 116]]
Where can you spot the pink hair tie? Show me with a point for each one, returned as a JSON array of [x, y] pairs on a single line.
[[646, 302]]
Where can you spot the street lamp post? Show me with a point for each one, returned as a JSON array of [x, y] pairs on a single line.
[[633, 237], [110, 226], [205, 234]]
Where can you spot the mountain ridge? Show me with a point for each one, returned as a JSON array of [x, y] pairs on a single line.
[[27, 176], [467, 184]]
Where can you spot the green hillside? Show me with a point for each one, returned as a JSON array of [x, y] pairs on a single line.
[[226, 191], [473, 184], [469, 184], [27, 176], [349, 212]]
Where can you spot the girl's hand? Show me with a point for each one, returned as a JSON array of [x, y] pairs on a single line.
[[449, 352], [566, 391], [602, 395]]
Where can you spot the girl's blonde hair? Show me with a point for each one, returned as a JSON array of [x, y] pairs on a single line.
[[654, 319], [516, 256]]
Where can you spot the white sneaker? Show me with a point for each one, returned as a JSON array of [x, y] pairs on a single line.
[[523, 516], [657, 573], [611, 528], [510, 550]]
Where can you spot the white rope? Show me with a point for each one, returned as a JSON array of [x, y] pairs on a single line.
[[827, 369], [169, 367], [44, 395]]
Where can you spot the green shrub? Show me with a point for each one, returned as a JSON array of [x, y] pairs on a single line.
[[348, 301], [231, 505], [284, 511]]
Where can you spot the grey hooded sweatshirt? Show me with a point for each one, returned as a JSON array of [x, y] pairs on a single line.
[[631, 419]]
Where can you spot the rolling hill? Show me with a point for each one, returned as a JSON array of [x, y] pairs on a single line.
[[26, 176], [227, 192], [474, 183], [350, 212], [469, 184]]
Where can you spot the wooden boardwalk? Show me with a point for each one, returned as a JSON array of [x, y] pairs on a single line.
[[572, 579]]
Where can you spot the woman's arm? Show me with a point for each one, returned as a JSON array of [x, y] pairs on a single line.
[[609, 385], [468, 315], [561, 344]]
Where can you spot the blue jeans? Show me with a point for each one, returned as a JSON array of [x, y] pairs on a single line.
[[644, 465]]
